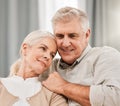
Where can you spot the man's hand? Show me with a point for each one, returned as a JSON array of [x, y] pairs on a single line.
[[76, 92], [55, 83]]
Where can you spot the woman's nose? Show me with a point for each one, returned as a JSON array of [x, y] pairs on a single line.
[[46, 56]]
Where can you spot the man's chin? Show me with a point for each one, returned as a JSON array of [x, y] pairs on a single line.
[[68, 60]]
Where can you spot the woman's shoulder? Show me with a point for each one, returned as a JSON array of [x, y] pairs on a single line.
[[1, 83], [1, 86], [49, 93], [46, 91], [56, 99]]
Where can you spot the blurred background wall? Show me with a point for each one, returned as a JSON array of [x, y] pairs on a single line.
[[20, 17]]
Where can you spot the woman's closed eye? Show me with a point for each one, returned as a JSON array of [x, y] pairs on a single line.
[[42, 48], [52, 55]]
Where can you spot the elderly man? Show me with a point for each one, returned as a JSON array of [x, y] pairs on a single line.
[[86, 76]]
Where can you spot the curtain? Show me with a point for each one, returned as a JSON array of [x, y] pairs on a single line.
[[104, 18], [97, 14], [47, 9], [17, 19]]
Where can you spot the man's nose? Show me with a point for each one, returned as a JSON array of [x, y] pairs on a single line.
[[66, 42]]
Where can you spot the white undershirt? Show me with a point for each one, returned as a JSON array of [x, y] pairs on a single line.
[[21, 88]]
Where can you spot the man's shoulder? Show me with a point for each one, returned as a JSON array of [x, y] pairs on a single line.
[[104, 49], [56, 59], [98, 53], [105, 53]]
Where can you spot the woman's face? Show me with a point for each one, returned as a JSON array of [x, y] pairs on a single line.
[[38, 57]]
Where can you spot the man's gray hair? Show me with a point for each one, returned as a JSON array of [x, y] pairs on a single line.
[[67, 14]]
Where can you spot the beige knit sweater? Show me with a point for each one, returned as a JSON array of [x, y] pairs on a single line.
[[42, 98]]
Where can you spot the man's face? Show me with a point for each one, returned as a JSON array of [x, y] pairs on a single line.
[[71, 40]]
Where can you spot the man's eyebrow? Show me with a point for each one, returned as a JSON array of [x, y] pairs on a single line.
[[59, 34], [72, 33]]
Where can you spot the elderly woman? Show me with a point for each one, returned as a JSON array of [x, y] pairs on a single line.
[[23, 88]]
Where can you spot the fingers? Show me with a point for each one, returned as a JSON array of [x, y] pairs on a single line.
[[44, 83], [52, 81], [55, 83], [51, 78], [53, 75]]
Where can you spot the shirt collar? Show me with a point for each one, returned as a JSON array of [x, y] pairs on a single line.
[[20, 78], [30, 80], [87, 49], [21, 88]]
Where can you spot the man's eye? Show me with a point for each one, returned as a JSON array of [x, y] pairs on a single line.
[[72, 35], [59, 36]]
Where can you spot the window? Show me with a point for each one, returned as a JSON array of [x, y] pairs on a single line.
[[47, 9]]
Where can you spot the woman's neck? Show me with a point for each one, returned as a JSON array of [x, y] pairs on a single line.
[[26, 73]]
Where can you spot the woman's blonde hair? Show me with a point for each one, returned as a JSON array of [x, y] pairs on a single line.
[[30, 39]]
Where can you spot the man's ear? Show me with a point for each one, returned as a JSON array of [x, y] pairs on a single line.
[[88, 34]]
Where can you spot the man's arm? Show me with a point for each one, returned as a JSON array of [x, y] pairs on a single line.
[[75, 92]]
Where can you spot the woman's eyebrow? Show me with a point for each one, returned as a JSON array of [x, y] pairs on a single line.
[[44, 45]]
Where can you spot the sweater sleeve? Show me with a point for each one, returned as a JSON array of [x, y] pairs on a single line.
[[106, 88], [58, 100]]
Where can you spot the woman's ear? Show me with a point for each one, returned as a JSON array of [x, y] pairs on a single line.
[[24, 49]]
